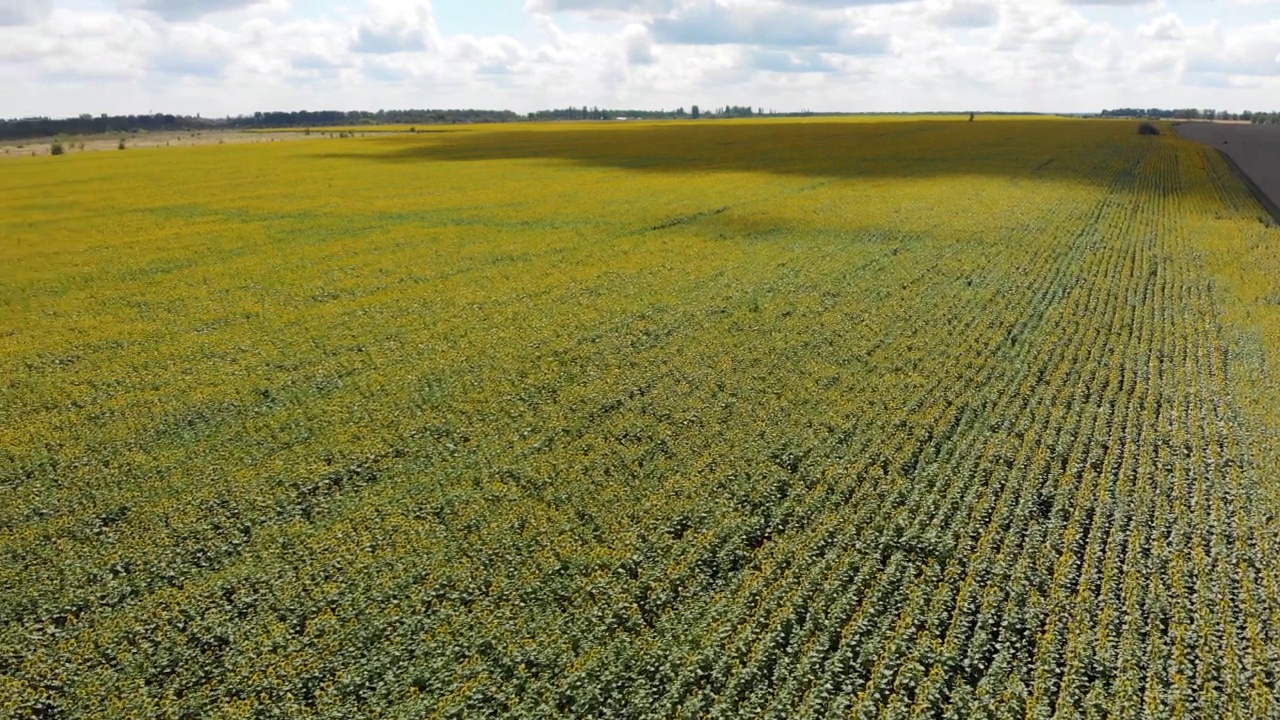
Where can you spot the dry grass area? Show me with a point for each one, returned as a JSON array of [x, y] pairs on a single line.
[[1254, 148], [90, 143]]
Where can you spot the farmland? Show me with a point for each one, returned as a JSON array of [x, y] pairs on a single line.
[[796, 419], [1254, 148], [111, 142]]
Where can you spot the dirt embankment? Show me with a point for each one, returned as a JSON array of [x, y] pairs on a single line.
[[1253, 150]]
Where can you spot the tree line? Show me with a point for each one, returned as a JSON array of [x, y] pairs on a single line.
[[1263, 118], [597, 113], [34, 127]]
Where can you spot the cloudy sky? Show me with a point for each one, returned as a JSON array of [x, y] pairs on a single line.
[[219, 57]]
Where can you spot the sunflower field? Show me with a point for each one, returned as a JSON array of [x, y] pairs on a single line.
[[771, 419]]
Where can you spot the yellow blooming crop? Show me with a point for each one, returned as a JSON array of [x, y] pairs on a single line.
[[785, 418]]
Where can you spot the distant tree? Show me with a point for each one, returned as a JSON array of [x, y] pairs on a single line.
[[694, 113], [56, 148]]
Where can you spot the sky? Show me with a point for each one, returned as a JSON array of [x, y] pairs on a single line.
[[61, 58]]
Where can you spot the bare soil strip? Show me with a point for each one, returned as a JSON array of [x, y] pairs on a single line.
[[1252, 151], [186, 138]]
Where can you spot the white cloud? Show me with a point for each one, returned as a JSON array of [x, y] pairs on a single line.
[[393, 28], [838, 4], [1240, 52], [237, 56], [1111, 3], [717, 22], [1047, 28], [1165, 27], [661, 7], [967, 14], [592, 6], [393, 39], [198, 51], [70, 45], [188, 9], [23, 12], [494, 55], [638, 44], [792, 62], [849, 4]]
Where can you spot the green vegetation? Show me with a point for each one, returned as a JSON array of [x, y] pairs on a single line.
[[802, 419]]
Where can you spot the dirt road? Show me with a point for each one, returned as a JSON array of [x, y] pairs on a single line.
[[1255, 149]]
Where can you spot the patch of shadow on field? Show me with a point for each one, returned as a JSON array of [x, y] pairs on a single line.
[[1021, 151]]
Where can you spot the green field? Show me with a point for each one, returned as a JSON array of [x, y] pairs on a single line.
[[793, 419]]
